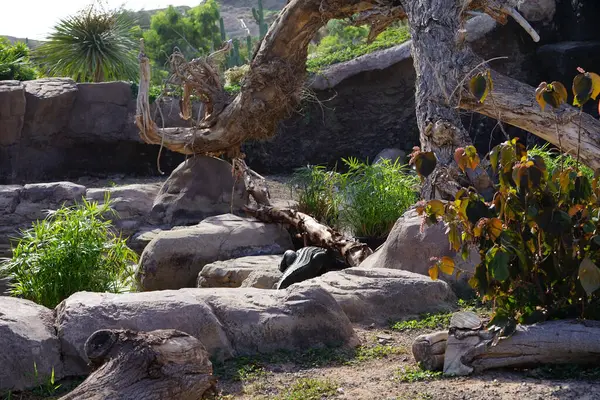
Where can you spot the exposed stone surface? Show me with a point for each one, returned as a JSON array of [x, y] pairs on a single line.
[[27, 337], [410, 248], [378, 295], [234, 273], [229, 322], [49, 104], [174, 258], [392, 154], [200, 187], [133, 204], [12, 111], [537, 10], [37, 198]]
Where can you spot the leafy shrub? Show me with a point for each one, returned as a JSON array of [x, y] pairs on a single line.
[[14, 62], [318, 193], [375, 196], [73, 249], [539, 239], [351, 42]]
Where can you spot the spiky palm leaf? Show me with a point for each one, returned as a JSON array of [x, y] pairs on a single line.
[[93, 45]]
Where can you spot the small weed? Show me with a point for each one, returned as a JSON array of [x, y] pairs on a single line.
[[416, 374], [240, 369], [425, 321], [366, 353], [310, 389]]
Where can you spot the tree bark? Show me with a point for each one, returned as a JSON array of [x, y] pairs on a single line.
[[315, 234], [464, 351], [162, 364]]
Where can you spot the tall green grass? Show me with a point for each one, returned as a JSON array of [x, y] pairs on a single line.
[[375, 196], [553, 159], [73, 249], [366, 200]]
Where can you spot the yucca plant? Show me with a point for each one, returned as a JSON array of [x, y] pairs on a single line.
[[74, 249], [93, 45]]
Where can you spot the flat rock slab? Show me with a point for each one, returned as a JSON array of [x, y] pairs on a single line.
[[173, 259], [27, 337], [234, 273], [379, 295], [229, 322]]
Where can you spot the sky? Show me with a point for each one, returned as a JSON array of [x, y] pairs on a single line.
[[34, 19]]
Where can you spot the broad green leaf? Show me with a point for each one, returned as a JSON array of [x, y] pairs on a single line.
[[454, 237], [589, 276], [494, 156], [498, 261], [595, 84], [435, 207]]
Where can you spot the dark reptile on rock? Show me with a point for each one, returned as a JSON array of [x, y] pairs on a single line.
[[306, 263]]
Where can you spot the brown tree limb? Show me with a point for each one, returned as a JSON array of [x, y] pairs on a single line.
[[315, 233], [162, 364], [514, 103]]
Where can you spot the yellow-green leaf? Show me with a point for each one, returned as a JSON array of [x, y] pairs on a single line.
[[479, 87], [582, 89], [434, 272], [446, 265], [589, 276], [494, 228], [435, 207], [425, 163], [595, 84]]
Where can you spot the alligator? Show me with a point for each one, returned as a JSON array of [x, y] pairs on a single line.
[[306, 263]]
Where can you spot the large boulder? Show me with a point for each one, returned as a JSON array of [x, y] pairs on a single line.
[[173, 259], [380, 295], [200, 187], [133, 204], [255, 271], [411, 245], [48, 107], [37, 198], [12, 111], [28, 342], [229, 322]]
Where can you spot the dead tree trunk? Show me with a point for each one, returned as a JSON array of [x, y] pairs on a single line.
[[163, 364], [470, 348], [315, 234]]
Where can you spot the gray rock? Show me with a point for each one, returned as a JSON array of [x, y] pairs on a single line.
[[410, 247], [12, 111], [234, 273], [37, 198], [391, 154], [379, 295], [9, 198], [174, 258], [229, 322], [27, 337], [48, 106], [537, 10], [200, 187], [5, 283]]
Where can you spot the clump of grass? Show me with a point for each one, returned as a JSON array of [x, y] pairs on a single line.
[[554, 159], [416, 374], [328, 55], [425, 321], [310, 389], [74, 249], [377, 352], [318, 192], [375, 196]]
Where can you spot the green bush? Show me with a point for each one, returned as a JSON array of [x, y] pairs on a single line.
[[554, 159], [539, 239], [318, 196], [349, 42], [375, 196], [74, 249], [14, 62]]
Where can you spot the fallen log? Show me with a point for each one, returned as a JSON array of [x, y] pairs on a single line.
[[162, 364], [315, 233], [471, 348]]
